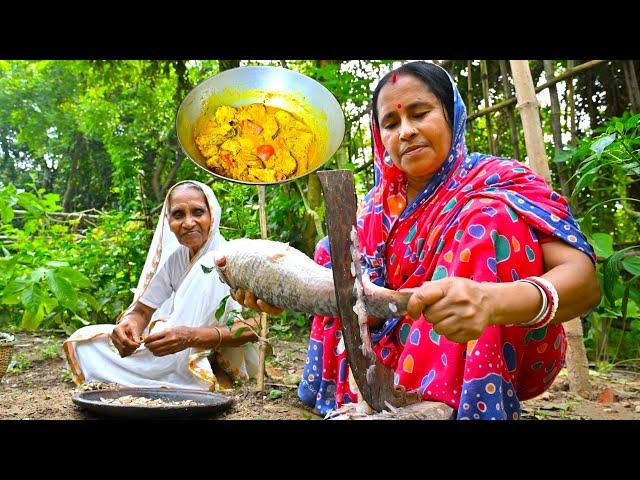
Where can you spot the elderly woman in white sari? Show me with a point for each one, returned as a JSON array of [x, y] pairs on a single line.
[[167, 335]]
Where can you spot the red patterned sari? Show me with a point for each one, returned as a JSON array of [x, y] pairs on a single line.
[[479, 217]]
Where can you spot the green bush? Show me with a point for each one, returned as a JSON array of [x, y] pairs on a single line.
[[606, 194], [55, 275]]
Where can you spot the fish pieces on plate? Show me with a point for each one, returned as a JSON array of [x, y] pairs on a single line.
[[255, 143]]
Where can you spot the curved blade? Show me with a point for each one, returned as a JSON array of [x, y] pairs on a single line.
[[374, 380]]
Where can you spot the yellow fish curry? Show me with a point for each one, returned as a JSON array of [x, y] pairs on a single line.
[[255, 143]]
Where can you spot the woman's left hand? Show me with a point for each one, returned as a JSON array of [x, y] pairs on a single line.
[[459, 308], [171, 340]]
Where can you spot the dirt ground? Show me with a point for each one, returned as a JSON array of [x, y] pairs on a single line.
[[38, 386]]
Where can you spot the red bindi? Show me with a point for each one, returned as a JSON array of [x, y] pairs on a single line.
[[394, 77], [399, 106]]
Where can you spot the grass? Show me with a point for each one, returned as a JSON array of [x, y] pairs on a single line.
[[19, 363], [67, 376]]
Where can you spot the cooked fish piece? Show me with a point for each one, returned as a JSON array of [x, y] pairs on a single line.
[[213, 134], [224, 114], [232, 145], [256, 112], [263, 174], [284, 118], [283, 163], [270, 127]]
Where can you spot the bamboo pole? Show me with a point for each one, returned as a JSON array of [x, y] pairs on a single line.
[[632, 85], [264, 327], [556, 128], [555, 108], [472, 140], [515, 141], [591, 103], [485, 93], [529, 113], [501, 124], [571, 105], [568, 74], [577, 363]]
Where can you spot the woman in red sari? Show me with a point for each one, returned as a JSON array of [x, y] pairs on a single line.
[[474, 235]]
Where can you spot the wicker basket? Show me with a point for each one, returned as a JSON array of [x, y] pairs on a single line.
[[6, 350]]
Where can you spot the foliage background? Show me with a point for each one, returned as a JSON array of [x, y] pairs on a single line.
[[98, 137]]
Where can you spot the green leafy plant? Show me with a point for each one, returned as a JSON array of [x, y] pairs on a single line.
[[45, 270], [605, 165], [19, 363], [67, 376], [34, 277], [49, 349]]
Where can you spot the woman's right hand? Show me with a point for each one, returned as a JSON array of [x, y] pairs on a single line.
[[126, 335], [248, 299]]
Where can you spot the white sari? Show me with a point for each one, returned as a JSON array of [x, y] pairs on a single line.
[[92, 357]]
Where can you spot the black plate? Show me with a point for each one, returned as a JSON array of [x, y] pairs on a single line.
[[208, 403]]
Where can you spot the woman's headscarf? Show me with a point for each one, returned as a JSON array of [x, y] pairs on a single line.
[[164, 241]]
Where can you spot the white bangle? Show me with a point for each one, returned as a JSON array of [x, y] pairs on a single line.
[[554, 296], [545, 304]]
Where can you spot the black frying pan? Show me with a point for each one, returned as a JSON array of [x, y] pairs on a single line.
[[209, 403]]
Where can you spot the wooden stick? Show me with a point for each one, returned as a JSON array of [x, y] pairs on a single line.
[[571, 105], [632, 85], [556, 128], [364, 166], [576, 361], [568, 74], [281, 385], [263, 316], [515, 140], [485, 93], [472, 140]]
